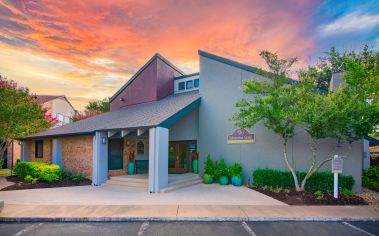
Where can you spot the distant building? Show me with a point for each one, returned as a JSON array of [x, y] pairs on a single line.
[[56, 105]]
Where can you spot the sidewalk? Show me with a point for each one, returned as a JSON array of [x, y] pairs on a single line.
[[107, 213]]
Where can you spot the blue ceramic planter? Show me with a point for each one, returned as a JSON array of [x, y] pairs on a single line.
[[237, 181], [223, 180], [131, 168]]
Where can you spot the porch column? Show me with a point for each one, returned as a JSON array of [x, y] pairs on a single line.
[[57, 152], [158, 159], [25, 151], [100, 158]]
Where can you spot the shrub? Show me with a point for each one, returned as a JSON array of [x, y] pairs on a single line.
[[210, 166], [370, 178], [274, 189], [236, 170], [347, 193], [31, 179], [222, 169], [318, 195], [322, 181], [77, 177], [1, 163], [39, 170]]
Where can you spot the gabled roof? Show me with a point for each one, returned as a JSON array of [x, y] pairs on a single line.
[[158, 113], [156, 55], [46, 98], [236, 64]]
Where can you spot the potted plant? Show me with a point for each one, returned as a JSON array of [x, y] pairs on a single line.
[[131, 163], [195, 162], [209, 170], [236, 172], [222, 172]]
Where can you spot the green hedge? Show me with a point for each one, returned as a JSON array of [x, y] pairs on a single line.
[[39, 170], [370, 178], [318, 181]]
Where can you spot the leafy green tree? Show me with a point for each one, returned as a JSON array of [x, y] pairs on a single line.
[[345, 114], [20, 114], [92, 109], [272, 104]]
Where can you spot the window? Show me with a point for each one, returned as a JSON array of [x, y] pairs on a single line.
[[189, 84], [140, 148], [39, 149], [196, 83], [181, 86]]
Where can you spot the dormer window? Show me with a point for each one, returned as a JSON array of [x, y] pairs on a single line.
[[196, 83], [182, 86], [189, 84], [186, 83]]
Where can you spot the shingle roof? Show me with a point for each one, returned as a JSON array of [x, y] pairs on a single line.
[[45, 98], [137, 116]]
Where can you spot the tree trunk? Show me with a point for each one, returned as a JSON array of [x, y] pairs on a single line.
[[295, 179], [3, 146]]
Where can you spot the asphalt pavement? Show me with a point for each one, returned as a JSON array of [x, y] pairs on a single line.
[[192, 228]]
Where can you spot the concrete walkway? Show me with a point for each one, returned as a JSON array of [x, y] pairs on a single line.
[[19, 213], [91, 195]]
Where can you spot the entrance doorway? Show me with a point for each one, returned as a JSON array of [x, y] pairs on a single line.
[[115, 154], [180, 156]]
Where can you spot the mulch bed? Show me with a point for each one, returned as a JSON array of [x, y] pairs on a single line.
[[22, 184], [307, 198]]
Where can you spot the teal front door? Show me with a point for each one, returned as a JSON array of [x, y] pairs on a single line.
[[115, 154]]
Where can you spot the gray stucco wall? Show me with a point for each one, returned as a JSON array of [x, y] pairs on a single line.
[[186, 128], [221, 87]]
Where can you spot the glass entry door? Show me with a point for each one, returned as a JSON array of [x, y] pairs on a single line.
[[179, 156]]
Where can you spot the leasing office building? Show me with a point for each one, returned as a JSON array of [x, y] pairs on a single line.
[[162, 116]]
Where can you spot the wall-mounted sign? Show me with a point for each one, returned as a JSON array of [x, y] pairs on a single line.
[[337, 164], [241, 136]]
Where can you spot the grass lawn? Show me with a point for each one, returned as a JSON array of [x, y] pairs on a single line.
[[5, 172]]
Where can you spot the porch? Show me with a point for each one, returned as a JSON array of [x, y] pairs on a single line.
[[139, 182]]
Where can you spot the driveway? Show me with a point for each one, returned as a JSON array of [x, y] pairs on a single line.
[[97, 195]]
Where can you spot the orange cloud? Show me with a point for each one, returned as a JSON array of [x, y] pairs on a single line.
[[107, 41]]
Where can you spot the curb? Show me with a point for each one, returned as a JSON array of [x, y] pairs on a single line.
[[182, 219]]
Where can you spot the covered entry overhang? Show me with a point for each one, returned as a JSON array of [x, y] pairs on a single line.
[[151, 121]]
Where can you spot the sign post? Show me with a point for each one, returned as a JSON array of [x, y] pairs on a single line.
[[336, 169]]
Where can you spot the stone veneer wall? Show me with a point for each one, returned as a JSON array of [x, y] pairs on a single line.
[[129, 145], [77, 155], [46, 151]]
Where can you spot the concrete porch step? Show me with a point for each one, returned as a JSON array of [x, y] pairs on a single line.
[[181, 184], [184, 179], [128, 183], [117, 186], [130, 178]]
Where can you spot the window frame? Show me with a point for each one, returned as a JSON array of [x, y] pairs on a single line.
[[184, 86], [36, 147], [189, 82], [196, 81]]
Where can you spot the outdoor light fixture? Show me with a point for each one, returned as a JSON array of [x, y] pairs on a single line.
[[122, 99], [103, 140]]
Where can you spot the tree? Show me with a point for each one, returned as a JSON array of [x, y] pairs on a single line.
[[272, 104], [20, 114], [92, 109], [345, 114]]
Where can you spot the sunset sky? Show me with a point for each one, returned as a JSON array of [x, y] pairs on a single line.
[[86, 50]]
